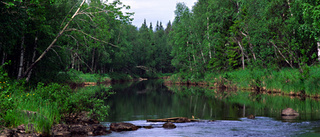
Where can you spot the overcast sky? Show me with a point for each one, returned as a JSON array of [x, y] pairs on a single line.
[[154, 10]]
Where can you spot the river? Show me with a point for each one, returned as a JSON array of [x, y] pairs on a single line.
[[223, 113]]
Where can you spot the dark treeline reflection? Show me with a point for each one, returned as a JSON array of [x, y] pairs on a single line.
[[151, 99]]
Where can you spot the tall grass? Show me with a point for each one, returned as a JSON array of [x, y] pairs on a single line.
[[79, 77], [286, 80], [44, 106]]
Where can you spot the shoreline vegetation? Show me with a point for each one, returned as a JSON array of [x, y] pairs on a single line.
[[52, 108], [39, 110], [57, 108], [285, 81]]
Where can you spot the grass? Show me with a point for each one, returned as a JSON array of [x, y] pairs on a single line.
[[80, 77], [286, 80], [44, 105]]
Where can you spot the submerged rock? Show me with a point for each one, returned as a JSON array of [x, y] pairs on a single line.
[[123, 127], [169, 125], [251, 117], [289, 112]]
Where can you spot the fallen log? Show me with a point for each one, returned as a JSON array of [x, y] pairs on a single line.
[[174, 120]]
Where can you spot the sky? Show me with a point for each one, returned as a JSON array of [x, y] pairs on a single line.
[[154, 10]]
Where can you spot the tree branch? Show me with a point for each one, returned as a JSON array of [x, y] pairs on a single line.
[[54, 41], [281, 54], [73, 29]]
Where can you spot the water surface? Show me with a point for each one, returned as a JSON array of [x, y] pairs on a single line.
[[136, 102]]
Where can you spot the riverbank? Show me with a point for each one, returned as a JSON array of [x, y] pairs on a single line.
[[40, 111], [285, 81], [37, 110]]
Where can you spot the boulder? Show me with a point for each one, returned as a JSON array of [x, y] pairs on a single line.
[[123, 127], [99, 130], [289, 112], [251, 117], [169, 125], [63, 130]]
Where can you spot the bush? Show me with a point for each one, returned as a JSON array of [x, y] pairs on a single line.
[[90, 99]]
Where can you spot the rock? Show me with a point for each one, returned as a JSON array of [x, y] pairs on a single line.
[[251, 117], [78, 130], [22, 129], [289, 118], [147, 127], [169, 125], [6, 132], [123, 127], [63, 130], [174, 119], [182, 120], [289, 112], [99, 130], [62, 134], [82, 118]]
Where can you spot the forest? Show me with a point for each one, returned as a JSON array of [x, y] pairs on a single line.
[[215, 36], [43, 40]]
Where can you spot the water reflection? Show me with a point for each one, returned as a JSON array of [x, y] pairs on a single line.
[[151, 99], [136, 102]]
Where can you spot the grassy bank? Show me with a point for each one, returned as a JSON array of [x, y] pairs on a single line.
[[80, 77], [46, 105], [286, 81]]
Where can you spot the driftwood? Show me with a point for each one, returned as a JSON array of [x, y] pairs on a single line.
[[174, 120]]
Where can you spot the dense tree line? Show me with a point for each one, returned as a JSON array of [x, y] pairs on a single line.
[[217, 36], [39, 39]]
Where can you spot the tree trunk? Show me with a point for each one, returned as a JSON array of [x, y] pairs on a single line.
[[204, 60], [254, 55], [208, 37], [318, 49], [3, 58], [189, 58], [276, 48], [250, 45], [72, 60], [92, 60], [53, 42], [242, 56], [33, 57], [21, 58], [290, 8]]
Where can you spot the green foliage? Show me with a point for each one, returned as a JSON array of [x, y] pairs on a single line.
[[44, 105], [79, 77], [90, 99]]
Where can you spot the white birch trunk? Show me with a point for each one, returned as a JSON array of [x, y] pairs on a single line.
[[242, 55], [54, 41], [72, 60], [208, 37], [204, 60], [21, 58], [33, 57]]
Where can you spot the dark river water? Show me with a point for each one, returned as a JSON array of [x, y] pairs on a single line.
[[223, 112]]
